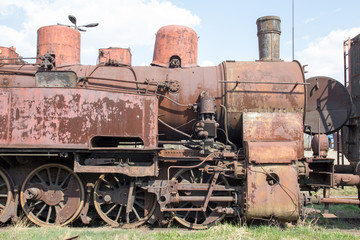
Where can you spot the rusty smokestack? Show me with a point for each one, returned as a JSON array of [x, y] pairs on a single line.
[[268, 31]]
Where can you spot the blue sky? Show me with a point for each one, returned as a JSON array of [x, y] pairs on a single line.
[[226, 29]]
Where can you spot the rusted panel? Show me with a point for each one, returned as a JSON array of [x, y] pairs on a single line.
[[178, 41], [114, 55], [274, 127], [70, 118], [8, 53], [254, 97], [271, 152], [62, 41], [273, 198]]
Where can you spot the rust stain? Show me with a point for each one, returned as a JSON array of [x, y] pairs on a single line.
[[69, 118], [274, 127], [280, 200], [271, 152]]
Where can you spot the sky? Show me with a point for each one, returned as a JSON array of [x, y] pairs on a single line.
[[226, 29]]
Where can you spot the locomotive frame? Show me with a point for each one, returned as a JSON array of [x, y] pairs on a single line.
[[149, 143]]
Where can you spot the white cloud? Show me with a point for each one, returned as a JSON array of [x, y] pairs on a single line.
[[123, 23], [325, 56], [207, 63], [309, 20]]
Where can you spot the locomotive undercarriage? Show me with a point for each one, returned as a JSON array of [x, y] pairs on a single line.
[[195, 189], [53, 194]]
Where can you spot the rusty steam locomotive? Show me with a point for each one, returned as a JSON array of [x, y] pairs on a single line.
[[137, 144]]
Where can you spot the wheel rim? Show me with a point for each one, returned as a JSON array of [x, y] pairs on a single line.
[[5, 191], [111, 193], [199, 219], [52, 194]]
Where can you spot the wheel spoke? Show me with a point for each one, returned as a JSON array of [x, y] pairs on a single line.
[[140, 197], [186, 215], [204, 213], [57, 176], [139, 204], [118, 214], [35, 204], [112, 208], [138, 191], [116, 180], [2, 185], [136, 213], [41, 179], [41, 210], [3, 195], [108, 183], [183, 205], [49, 175], [202, 177], [2, 206], [49, 214], [192, 176], [181, 176], [65, 180]]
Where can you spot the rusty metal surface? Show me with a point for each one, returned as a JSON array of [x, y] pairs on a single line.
[[268, 31], [274, 127], [52, 194], [25, 78], [71, 118], [122, 202], [8, 202], [264, 97], [320, 145], [8, 53], [192, 82], [271, 152], [341, 179], [62, 41], [132, 171], [114, 55], [174, 40], [261, 98], [340, 201], [329, 101], [354, 73], [272, 198]]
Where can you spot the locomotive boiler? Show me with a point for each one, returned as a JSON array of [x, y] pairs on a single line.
[[137, 144]]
